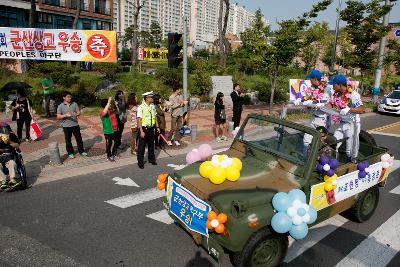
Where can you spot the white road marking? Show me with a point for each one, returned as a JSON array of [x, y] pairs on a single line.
[[379, 248], [396, 190], [161, 216], [385, 134], [127, 181], [136, 198], [316, 234], [177, 167]]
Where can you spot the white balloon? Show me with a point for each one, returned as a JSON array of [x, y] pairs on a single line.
[[297, 220], [230, 161], [385, 157], [215, 162], [306, 218], [291, 212], [367, 170], [225, 156], [224, 164], [326, 167], [214, 223], [385, 165], [305, 206], [334, 181], [297, 204]]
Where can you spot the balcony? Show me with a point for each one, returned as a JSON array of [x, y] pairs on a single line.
[[84, 6], [59, 3]]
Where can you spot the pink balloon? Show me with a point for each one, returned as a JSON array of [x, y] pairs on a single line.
[[205, 151], [192, 157]]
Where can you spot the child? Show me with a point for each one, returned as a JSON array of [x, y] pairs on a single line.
[[132, 107], [9, 143], [110, 128], [161, 108]]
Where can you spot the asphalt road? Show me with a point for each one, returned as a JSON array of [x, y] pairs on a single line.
[[69, 223]]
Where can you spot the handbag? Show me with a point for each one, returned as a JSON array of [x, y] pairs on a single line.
[[35, 131]]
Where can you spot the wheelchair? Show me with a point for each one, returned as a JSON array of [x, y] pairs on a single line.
[[20, 168]]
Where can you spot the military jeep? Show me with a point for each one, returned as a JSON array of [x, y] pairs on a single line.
[[272, 153]]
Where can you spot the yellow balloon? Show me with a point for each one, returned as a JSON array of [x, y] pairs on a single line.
[[232, 174], [217, 175], [328, 187], [237, 164], [205, 169]]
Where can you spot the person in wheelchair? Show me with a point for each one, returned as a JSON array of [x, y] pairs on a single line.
[[9, 145]]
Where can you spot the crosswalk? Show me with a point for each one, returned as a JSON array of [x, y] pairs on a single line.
[[377, 249]]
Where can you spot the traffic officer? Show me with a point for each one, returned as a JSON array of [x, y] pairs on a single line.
[[147, 125], [318, 117], [348, 129]]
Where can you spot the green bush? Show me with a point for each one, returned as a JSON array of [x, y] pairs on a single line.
[[109, 70], [170, 77], [201, 83], [2, 106], [247, 100], [61, 73]]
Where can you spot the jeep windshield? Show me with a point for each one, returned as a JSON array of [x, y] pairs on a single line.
[[274, 137]]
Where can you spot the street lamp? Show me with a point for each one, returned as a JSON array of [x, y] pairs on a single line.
[[331, 69]]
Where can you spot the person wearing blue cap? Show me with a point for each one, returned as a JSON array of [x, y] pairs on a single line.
[[318, 118], [349, 102]]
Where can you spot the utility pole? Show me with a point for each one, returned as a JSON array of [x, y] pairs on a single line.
[[332, 68], [185, 64], [382, 44]]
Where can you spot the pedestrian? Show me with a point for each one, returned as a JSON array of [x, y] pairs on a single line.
[[22, 108], [161, 108], [347, 102], [110, 127], [147, 124], [237, 100], [132, 107], [375, 95], [121, 116], [69, 112], [177, 110], [220, 118], [48, 87]]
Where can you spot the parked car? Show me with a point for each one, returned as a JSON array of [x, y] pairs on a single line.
[[271, 151], [391, 102]]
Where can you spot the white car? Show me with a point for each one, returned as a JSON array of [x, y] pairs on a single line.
[[391, 103]]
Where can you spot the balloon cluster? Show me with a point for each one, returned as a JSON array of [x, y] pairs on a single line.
[[220, 168], [202, 153], [216, 222], [328, 166], [293, 214], [387, 160], [161, 180], [362, 167]]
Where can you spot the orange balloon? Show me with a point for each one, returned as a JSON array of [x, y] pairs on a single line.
[[162, 177], [211, 215], [208, 224], [220, 229], [222, 218], [161, 186]]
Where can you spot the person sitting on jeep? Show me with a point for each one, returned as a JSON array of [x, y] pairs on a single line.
[[9, 144], [325, 148]]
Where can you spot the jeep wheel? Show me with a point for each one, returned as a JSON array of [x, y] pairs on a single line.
[[366, 137], [262, 249], [365, 205]]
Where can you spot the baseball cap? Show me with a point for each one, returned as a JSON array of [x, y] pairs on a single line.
[[339, 79], [314, 74]]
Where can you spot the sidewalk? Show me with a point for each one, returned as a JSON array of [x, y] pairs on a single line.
[[36, 154]]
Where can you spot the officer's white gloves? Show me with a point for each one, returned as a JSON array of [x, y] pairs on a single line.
[[308, 102], [297, 101], [344, 111]]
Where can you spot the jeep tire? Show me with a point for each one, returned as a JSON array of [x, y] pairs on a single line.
[[264, 248], [366, 204]]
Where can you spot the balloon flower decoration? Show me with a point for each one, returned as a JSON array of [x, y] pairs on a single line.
[[220, 168], [202, 153], [293, 214], [216, 222], [362, 167], [387, 161], [161, 180], [327, 167]]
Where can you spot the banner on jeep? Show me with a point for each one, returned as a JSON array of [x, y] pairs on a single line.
[[348, 185], [58, 44]]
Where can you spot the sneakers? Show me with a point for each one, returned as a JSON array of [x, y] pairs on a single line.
[[84, 154], [218, 139], [71, 156], [111, 159], [177, 143], [4, 184], [169, 143], [224, 138]]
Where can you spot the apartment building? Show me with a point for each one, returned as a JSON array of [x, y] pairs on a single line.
[[58, 14]]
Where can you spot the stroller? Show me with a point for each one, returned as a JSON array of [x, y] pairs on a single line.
[[16, 155]]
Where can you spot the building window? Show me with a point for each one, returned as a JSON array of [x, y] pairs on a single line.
[[102, 25], [86, 25], [45, 18], [8, 17], [64, 22], [60, 3]]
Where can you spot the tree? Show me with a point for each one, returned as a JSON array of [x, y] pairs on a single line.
[[156, 35], [393, 55], [344, 49], [287, 43], [32, 14], [223, 43], [365, 29]]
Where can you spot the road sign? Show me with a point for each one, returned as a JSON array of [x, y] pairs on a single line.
[[397, 33]]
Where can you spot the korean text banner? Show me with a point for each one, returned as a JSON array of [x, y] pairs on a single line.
[[153, 54], [58, 44]]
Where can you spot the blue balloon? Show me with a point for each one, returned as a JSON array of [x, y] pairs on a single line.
[[281, 223], [313, 215], [301, 212], [297, 194], [323, 160], [334, 163], [320, 168], [281, 201], [299, 231], [362, 174], [331, 172]]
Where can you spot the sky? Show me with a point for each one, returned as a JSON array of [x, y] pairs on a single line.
[[277, 10]]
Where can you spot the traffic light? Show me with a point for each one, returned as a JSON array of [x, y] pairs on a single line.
[[174, 59]]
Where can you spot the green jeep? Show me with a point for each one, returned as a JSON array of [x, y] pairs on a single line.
[[272, 153]]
